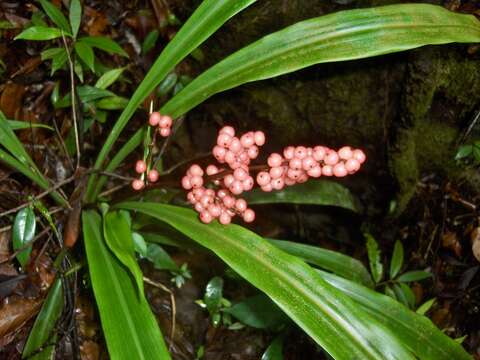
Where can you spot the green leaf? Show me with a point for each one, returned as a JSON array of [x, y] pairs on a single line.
[[39, 33], [259, 312], [329, 317], [21, 125], [118, 237], [139, 244], [130, 329], [213, 294], [103, 43], [414, 276], [58, 61], [397, 259], [208, 17], [150, 41], [44, 325], [333, 261], [160, 258], [23, 233], [417, 332], [75, 16], [85, 52], [426, 306], [464, 151], [345, 35], [112, 103], [167, 84], [56, 15], [374, 258], [109, 78], [51, 53], [274, 350], [313, 192], [86, 94], [401, 295]]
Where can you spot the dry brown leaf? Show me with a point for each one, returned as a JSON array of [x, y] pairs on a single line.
[[11, 99], [475, 239], [450, 241], [16, 312]]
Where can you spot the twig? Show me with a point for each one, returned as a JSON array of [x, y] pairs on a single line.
[[54, 211], [181, 163], [74, 105], [62, 143], [25, 246], [39, 196], [174, 307]]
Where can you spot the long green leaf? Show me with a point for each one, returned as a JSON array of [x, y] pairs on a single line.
[[103, 43], [417, 332], [56, 15], [345, 35], [323, 312], [313, 192], [208, 17], [23, 233], [39, 33], [118, 237], [75, 16], [42, 329], [130, 329], [21, 125], [85, 52], [333, 261]]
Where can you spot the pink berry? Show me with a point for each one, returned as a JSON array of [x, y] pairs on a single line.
[[289, 152], [247, 140], [227, 130], [302, 178], [300, 152], [249, 216], [241, 205], [211, 170], [206, 217], [229, 157], [259, 138], [276, 172], [229, 201], [225, 218], [240, 174], [236, 188], [289, 182], [278, 184], [140, 166], [327, 170], [275, 160], [263, 178], [222, 193], [206, 200], [154, 118], [210, 192], [267, 187], [153, 176], [165, 122], [196, 181], [191, 198], [138, 184], [294, 174], [224, 140], [331, 158], [219, 153], [359, 155], [252, 152], [295, 163], [352, 165], [165, 132], [248, 184], [308, 163], [198, 193], [319, 153], [196, 170], [243, 157], [345, 153], [199, 207], [339, 170], [228, 180], [235, 146], [215, 210], [315, 172]]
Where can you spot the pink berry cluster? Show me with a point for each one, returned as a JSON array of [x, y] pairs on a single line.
[[141, 168], [299, 163], [211, 204], [163, 122], [296, 165]]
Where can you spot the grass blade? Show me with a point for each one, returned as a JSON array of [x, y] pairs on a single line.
[[131, 331]]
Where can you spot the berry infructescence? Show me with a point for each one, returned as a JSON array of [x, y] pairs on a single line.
[[214, 191], [296, 165]]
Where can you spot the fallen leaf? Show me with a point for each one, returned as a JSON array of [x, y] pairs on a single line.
[[450, 241], [11, 99], [475, 239], [16, 312]]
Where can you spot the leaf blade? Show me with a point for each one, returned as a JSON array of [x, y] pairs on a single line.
[[56, 15], [23, 233], [75, 16], [397, 259]]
